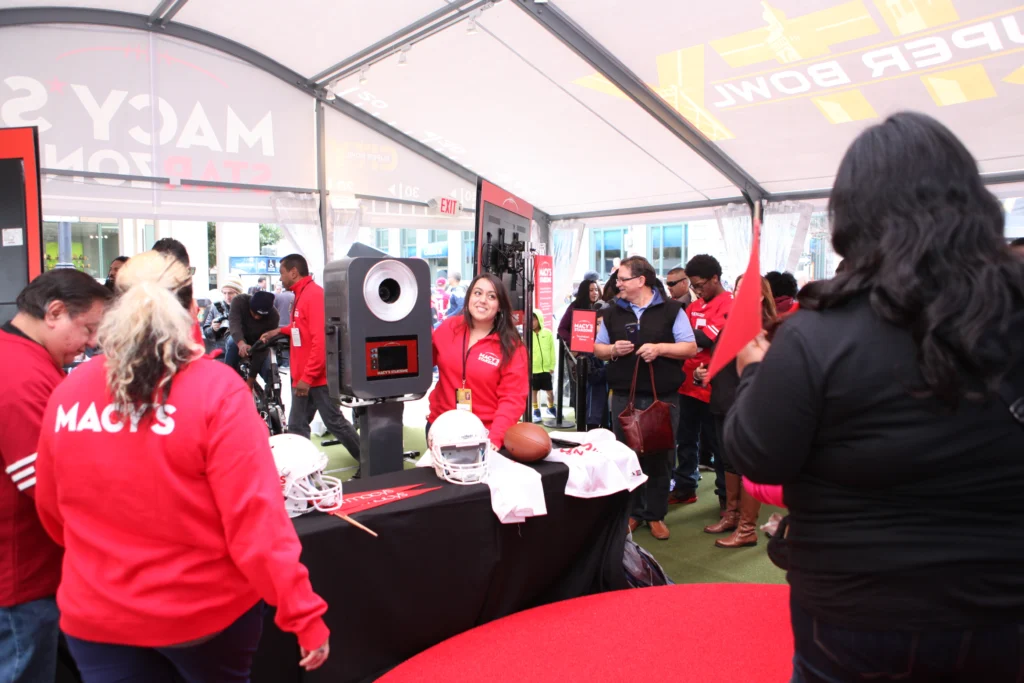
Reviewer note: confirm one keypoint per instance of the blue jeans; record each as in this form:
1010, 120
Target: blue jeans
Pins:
28, 641
225, 658
696, 429
826, 653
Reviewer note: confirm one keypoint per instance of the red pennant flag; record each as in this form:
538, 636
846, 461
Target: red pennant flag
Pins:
365, 500
744, 322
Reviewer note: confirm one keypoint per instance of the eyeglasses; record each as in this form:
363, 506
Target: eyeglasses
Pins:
626, 279
697, 286
191, 271
673, 283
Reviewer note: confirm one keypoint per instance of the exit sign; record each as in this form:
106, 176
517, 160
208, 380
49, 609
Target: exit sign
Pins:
446, 206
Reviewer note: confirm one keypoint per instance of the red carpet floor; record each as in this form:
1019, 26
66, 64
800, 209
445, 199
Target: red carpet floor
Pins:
695, 632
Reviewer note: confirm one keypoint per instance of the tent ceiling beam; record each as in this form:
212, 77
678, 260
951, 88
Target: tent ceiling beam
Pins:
656, 208
158, 180
394, 41
165, 12
584, 45
369, 60
27, 16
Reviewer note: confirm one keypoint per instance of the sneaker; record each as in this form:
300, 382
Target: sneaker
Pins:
550, 413
536, 413
682, 498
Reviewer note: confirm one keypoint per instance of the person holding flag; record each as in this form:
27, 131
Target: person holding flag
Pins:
741, 508
696, 428
899, 443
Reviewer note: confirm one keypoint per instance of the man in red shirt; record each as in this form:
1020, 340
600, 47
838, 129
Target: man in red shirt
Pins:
696, 427
308, 352
58, 316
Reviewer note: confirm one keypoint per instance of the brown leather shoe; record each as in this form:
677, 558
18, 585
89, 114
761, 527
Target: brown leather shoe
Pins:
731, 517
659, 530
634, 524
746, 532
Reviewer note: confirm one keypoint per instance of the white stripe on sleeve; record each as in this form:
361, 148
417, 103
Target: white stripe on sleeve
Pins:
27, 460
23, 473
27, 484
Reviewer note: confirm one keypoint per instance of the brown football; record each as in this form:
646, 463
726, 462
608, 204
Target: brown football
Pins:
527, 442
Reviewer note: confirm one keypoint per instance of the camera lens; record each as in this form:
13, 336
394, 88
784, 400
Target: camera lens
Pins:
389, 291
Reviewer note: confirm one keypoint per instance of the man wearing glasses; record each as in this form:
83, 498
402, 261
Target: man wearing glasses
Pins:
696, 426
643, 324
678, 284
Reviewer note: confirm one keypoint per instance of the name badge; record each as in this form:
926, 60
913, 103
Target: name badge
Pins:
464, 399
296, 337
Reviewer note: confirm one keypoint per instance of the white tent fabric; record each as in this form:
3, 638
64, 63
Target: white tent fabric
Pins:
299, 217
777, 87
566, 237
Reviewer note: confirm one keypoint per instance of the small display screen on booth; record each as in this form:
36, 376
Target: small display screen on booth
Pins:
391, 357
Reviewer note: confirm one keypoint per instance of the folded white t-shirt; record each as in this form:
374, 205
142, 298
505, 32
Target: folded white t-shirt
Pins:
516, 490
599, 466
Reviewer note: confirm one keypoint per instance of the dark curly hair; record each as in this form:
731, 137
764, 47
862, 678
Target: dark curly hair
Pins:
922, 238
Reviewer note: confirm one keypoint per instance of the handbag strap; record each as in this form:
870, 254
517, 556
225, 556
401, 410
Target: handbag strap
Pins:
632, 386
650, 366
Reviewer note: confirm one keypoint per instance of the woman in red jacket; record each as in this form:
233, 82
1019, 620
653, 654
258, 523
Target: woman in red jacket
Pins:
155, 473
481, 351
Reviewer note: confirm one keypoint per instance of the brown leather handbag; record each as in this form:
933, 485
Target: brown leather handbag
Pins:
649, 430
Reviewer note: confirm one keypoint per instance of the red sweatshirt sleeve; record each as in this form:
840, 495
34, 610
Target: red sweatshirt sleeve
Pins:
19, 432
316, 362
260, 537
46, 484
513, 388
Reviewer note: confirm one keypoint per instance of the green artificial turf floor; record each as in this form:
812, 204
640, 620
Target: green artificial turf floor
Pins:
689, 556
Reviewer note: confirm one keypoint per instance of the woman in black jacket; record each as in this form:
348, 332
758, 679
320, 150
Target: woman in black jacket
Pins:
879, 410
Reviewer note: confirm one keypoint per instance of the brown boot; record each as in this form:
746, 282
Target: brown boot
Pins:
730, 518
746, 532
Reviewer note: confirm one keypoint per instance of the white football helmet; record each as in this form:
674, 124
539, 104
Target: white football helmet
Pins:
300, 465
458, 444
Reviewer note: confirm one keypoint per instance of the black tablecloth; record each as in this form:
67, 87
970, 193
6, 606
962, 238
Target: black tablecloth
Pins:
442, 564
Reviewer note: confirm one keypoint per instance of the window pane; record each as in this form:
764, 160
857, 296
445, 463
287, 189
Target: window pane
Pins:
672, 250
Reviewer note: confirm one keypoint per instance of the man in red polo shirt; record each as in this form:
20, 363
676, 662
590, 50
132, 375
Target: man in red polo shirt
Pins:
58, 317
308, 351
707, 318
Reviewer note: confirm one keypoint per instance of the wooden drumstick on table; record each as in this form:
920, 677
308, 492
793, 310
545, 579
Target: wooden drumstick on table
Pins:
358, 525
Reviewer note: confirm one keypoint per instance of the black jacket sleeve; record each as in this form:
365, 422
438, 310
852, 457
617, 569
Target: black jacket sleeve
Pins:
770, 429
702, 339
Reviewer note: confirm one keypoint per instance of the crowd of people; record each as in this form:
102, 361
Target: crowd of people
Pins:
881, 408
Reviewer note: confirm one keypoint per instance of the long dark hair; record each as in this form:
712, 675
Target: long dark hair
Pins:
922, 237
769, 314
582, 301
611, 288
503, 324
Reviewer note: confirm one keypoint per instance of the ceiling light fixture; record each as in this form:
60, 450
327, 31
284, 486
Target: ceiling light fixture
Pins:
364, 75
403, 55
329, 93
471, 29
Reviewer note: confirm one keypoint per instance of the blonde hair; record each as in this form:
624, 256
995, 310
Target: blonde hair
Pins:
147, 333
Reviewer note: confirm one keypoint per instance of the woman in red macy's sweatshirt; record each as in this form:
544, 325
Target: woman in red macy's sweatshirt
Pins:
155, 474
481, 350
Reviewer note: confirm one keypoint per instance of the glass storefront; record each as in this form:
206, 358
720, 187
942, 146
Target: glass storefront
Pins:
87, 244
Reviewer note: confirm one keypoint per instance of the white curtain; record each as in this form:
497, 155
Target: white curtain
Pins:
298, 215
566, 238
344, 221
736, 227
783, 233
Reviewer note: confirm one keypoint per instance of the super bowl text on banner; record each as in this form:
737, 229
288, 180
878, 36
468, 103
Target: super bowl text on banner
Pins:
584, 330
544, 293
